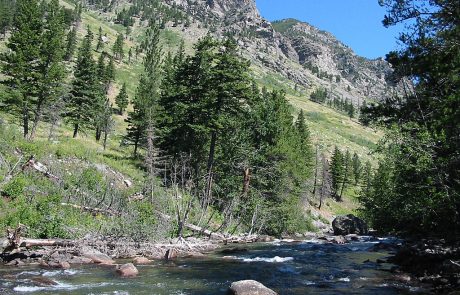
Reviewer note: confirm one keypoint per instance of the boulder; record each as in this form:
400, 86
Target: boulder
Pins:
96, 256
127, 270
249, 287
141, 260
349, 224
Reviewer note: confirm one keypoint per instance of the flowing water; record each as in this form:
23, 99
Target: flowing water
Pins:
309, 267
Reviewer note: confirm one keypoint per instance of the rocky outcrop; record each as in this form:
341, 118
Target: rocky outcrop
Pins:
127, 270
349, 224
249, 287
293, 49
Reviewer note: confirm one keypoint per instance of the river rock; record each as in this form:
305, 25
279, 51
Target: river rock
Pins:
141, 260
127, 270
96, 256
249, 287
349, 224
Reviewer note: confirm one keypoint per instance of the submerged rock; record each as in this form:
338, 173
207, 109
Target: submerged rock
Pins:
141, 260
127, 270
349, 224
249, 287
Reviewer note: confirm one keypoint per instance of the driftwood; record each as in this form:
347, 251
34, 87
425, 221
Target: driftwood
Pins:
195, 228
13, 241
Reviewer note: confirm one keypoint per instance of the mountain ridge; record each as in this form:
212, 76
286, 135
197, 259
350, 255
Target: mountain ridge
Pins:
300, 52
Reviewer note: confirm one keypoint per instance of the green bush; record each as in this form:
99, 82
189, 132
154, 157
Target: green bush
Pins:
15, 187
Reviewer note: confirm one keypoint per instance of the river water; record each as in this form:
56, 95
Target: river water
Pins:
309, 267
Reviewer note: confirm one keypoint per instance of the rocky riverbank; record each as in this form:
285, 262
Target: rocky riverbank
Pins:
431, 261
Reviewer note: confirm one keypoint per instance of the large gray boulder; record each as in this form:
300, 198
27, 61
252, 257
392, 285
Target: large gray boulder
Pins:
249, 287
349, 224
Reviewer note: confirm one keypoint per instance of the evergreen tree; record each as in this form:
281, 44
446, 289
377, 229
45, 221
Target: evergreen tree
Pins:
302, 128
117, 48
417, 187
337, 171
346, 173
85, 89
71, 42
357, 168
145, 102
122, 99
52, 71
100, 41
110, 71
20, 63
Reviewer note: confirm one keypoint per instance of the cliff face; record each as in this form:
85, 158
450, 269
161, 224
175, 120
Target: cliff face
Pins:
296, 50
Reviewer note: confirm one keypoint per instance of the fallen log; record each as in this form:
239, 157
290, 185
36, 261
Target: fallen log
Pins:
7, 246
195, 228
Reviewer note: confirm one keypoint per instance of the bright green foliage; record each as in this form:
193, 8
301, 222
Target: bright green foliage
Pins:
416, 189
117, 48
122, 99
85, 89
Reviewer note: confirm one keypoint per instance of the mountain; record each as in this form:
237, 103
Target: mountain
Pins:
297, 51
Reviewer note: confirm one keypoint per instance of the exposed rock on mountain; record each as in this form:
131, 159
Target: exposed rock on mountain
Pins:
296, 50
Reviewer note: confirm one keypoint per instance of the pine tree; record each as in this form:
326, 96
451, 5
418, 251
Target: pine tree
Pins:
302, 128
100, 41
20, 63
357, 168
337, 171
71, 42
85, 89
52, 71
110, 71
145, 103
117, 48
122, 99
346, 173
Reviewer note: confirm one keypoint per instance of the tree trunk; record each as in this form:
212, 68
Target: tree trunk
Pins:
25, 120
37, 118
136, 141
316, 172
246, 181
345, 180
105, 140
212, 149
75, 130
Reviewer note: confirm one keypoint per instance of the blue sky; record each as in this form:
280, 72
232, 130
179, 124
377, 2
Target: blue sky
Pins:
357, 23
